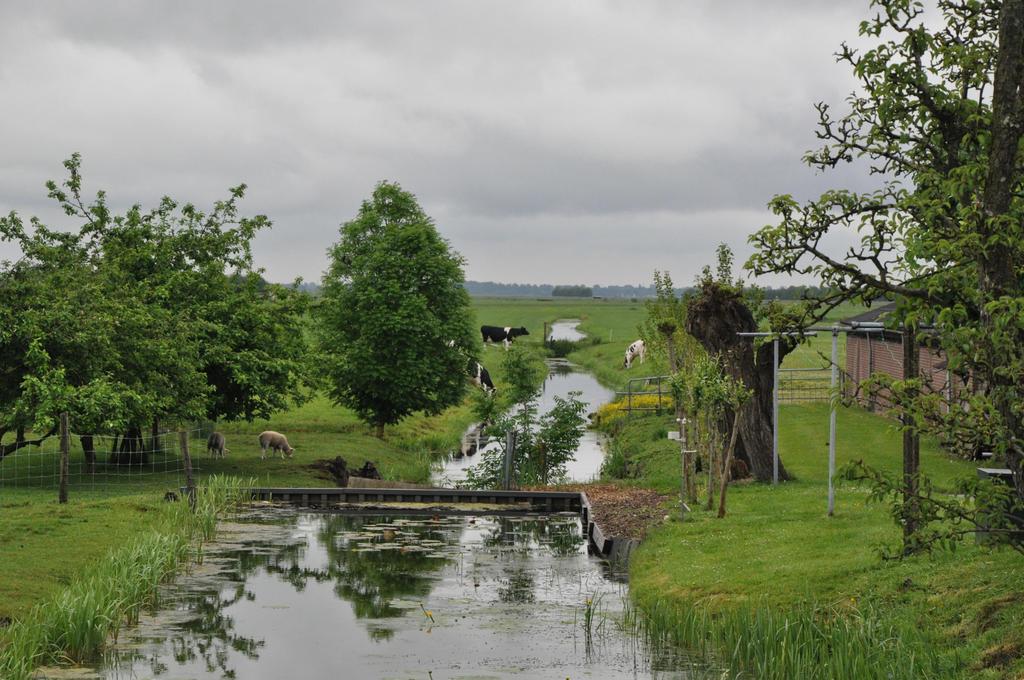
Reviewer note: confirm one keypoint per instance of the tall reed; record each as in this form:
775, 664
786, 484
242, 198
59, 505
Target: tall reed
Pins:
811, 640
75, 624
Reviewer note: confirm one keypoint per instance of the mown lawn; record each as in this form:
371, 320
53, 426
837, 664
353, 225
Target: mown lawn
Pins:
778, 548
43, 544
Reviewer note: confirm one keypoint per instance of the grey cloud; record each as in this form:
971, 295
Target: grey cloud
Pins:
536, 125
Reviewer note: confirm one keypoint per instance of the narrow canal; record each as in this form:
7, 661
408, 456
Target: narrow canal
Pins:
563, 378
294, 595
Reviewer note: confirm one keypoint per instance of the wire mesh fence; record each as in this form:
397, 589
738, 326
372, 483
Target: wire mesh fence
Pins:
649, 394
102, 461
802, 385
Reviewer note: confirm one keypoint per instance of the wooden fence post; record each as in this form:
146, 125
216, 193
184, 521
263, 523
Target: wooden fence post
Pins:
190, 485
65, 449
911, 442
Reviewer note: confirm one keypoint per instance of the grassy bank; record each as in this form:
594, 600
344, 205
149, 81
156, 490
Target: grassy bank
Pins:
74, 624
778, 584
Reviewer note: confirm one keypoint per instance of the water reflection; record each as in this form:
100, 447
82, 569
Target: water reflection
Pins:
390, 597
566, 330
562, 379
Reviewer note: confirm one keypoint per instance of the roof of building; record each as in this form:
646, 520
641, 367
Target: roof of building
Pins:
876, 314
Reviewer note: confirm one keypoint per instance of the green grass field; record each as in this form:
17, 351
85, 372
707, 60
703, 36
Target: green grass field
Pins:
778, 548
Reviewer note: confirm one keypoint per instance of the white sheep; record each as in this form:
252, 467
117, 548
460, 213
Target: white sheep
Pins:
276, 442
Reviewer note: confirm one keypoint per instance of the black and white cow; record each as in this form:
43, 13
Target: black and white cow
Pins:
637, 349
505, 335
481, 378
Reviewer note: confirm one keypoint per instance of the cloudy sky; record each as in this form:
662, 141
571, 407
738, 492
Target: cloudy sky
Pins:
587, 141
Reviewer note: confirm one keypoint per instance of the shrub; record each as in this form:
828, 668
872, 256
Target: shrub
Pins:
562, 348
612, 413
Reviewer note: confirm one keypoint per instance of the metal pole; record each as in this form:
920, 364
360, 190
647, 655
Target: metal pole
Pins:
683, 508
832, 424
775, 412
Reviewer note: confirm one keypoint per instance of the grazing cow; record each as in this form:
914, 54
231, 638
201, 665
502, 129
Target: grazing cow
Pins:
481, 378
216, 445
637, 349
505, 335
275, 441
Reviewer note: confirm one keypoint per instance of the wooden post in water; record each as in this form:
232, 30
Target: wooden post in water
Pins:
190, 485
65, 450
510, 449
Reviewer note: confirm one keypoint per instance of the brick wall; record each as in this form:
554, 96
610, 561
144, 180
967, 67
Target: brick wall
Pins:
868, 353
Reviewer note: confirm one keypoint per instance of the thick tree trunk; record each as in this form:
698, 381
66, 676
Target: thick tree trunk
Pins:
380, 431
154, 442
89, 449
997, 268
132, 450
714, 317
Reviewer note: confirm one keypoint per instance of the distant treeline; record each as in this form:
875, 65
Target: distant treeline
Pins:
493, 289
545, 290
572, 291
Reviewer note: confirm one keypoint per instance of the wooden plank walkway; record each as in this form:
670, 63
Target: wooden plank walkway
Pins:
535, 501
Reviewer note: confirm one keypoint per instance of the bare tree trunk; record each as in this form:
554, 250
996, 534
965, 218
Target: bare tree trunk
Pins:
727, 465
380, 431
89, 449
132, 450
708, 440
714, 318
154, 445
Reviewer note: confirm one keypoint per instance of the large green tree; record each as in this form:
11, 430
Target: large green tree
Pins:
938, 118
141, 317
394, 319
